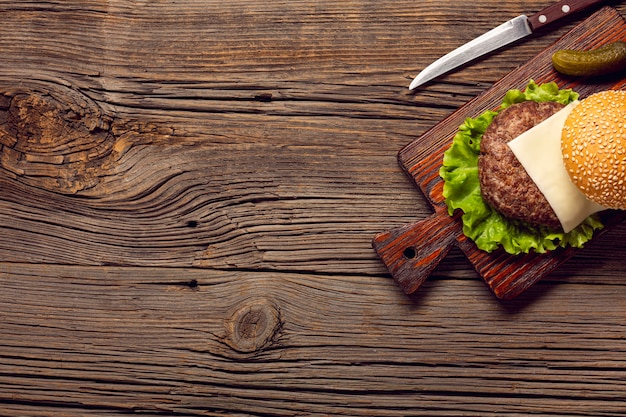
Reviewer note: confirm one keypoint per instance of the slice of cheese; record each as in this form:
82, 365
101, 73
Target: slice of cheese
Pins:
539, 151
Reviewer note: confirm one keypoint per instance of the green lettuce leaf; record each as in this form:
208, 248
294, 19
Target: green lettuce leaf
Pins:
483, 224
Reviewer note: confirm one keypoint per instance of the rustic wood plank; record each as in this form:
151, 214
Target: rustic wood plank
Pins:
188, 192
147, 340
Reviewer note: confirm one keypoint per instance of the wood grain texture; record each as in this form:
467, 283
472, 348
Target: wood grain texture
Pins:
188, 193
147, 341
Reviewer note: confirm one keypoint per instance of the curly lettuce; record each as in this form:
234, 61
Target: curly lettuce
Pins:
484, 225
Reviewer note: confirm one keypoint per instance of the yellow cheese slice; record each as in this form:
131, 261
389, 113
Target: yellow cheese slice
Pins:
539, 151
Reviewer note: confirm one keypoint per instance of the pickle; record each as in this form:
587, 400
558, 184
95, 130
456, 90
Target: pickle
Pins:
604, 60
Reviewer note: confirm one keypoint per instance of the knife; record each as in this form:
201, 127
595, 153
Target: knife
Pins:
508, 32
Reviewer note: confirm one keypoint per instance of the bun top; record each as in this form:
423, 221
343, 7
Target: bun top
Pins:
593, 144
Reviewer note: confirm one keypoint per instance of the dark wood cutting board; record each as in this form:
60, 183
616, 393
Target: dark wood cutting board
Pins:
412, 251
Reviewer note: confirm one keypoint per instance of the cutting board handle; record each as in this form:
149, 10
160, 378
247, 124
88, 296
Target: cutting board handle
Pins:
412, 251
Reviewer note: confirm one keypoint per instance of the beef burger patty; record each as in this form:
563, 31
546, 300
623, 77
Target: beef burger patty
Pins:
504, 183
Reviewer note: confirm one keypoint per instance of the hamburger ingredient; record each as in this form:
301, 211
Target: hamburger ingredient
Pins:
488, 228
539, 152
604, 60
593, 144
504, 183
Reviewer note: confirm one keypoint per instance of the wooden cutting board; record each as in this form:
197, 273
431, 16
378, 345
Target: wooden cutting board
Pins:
412, 251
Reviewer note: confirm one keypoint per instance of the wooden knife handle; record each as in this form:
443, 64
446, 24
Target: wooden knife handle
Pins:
558, 10
412, 251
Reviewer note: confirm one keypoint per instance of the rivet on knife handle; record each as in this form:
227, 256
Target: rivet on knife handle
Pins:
559, 10
411, 252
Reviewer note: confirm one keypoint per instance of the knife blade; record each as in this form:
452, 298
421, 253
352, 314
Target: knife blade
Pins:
504, 34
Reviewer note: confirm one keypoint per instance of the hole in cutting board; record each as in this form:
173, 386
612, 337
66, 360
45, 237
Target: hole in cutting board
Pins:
410, 253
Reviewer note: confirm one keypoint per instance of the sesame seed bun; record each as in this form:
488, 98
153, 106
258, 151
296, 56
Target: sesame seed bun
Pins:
593, 144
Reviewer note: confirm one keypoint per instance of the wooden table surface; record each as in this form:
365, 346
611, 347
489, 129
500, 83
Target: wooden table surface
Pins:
188, 194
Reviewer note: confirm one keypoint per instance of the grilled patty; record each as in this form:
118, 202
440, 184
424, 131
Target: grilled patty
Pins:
504, 183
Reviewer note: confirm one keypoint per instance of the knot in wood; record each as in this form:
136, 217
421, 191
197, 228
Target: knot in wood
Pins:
253, 326
55, 140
